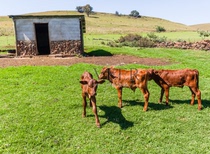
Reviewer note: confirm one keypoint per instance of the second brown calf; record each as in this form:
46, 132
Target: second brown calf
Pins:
134, 78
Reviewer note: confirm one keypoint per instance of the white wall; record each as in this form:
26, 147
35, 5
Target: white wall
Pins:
63, 29
59, 28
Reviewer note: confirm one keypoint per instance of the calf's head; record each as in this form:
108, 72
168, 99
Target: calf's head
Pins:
106, 73
90, 87
152, 74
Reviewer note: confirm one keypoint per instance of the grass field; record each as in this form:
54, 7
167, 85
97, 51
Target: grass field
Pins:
41, 111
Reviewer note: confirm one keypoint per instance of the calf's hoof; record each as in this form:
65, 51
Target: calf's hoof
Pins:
145, 109
98, 125
191, 103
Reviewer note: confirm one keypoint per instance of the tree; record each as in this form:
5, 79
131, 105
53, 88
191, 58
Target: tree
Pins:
117, 13
87, 9
134, 13
80, 9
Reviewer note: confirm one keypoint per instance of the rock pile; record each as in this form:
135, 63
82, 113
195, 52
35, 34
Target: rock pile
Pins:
200, 45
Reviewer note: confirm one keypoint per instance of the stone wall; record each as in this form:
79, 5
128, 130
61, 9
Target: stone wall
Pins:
73, 47
65, 48
200, 45
26, 48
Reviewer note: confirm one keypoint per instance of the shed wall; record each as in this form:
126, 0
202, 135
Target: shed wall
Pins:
64, 36
59, 29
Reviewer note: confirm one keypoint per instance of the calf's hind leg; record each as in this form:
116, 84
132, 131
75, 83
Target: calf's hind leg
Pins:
161, 95
193, 97
197, 92
146, 98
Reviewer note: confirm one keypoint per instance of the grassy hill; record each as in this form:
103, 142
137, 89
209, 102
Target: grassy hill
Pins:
103, 23
205, 27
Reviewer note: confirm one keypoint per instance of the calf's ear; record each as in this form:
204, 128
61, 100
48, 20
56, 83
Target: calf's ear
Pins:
151, 70
100, 81
83, 82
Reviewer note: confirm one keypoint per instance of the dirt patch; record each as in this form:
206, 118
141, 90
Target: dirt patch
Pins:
97, 60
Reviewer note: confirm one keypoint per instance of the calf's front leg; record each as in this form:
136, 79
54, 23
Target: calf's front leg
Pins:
167, 95
84, 103
119, 92
93, 101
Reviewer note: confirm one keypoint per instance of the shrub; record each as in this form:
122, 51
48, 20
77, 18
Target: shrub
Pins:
155, 38
112, 44
204, 33
129, 38
132, 40
152, 36
160, 29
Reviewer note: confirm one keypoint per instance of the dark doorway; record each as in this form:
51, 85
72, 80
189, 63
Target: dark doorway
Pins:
42, 38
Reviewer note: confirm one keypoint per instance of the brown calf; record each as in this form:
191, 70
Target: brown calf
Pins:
177, 78
89, 88
134, 78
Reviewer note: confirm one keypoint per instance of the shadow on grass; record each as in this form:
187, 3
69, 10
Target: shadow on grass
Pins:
154, 106
99, 52
114, 114
205, 103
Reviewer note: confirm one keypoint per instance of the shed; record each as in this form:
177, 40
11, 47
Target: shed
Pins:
49, 34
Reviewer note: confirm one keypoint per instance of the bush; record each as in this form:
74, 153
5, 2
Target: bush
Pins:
112, 44
132, 40
152, 36
204, 33
129, 38
160, 29
155, 38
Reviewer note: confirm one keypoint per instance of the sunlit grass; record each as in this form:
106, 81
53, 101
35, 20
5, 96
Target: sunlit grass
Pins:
41, 111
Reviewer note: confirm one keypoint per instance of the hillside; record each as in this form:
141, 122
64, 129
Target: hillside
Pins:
110, 23
103, 23
205, 27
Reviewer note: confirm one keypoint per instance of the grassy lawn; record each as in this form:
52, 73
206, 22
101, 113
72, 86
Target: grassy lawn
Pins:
41, 110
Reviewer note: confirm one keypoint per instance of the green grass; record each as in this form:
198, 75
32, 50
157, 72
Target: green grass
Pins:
41, 110
7, 42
